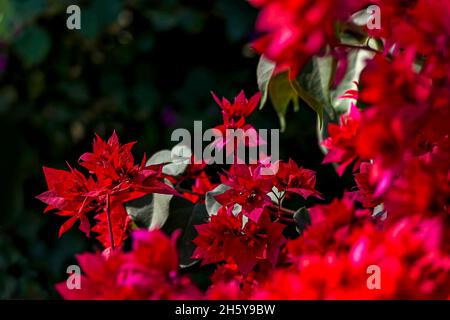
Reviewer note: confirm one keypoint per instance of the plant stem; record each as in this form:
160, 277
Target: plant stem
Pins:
354, 46
108, 215
284, 219
281, 209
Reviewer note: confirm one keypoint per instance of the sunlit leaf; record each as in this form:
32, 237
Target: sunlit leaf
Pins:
302, 219
264, 72
313, 85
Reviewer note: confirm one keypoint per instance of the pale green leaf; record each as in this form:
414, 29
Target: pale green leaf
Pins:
264, 72
281, 94
314, 82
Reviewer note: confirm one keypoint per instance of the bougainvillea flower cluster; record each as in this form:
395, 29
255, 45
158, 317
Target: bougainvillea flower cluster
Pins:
259, 234
113, 180
292, 31
224, 238
331, 260
235, 132
341, 142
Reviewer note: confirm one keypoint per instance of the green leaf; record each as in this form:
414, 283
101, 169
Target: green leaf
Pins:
356, 62
379, 211
160, 157
361, 18
302, 219
353, 32
184, 215
175, 160
275, 194
322, 131
180, 214
264, 72
32, 45
313, 85
141, 210
281, 94
150, 211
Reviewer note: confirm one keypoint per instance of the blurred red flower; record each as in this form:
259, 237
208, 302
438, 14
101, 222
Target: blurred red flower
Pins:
148, 271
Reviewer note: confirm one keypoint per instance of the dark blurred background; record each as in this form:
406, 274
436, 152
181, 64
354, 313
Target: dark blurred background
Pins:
140, 67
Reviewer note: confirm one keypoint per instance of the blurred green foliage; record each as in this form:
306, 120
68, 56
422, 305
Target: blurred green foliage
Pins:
140, 67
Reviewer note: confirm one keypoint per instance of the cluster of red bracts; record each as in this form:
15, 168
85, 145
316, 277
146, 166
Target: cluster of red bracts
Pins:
329, 261
293, 31
399, 143
113, 180
332, 258
255, 234
254, 259
395, 137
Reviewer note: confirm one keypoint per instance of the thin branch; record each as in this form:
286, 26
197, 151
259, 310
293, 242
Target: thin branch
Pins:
108, 215
354, 46
281, 209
